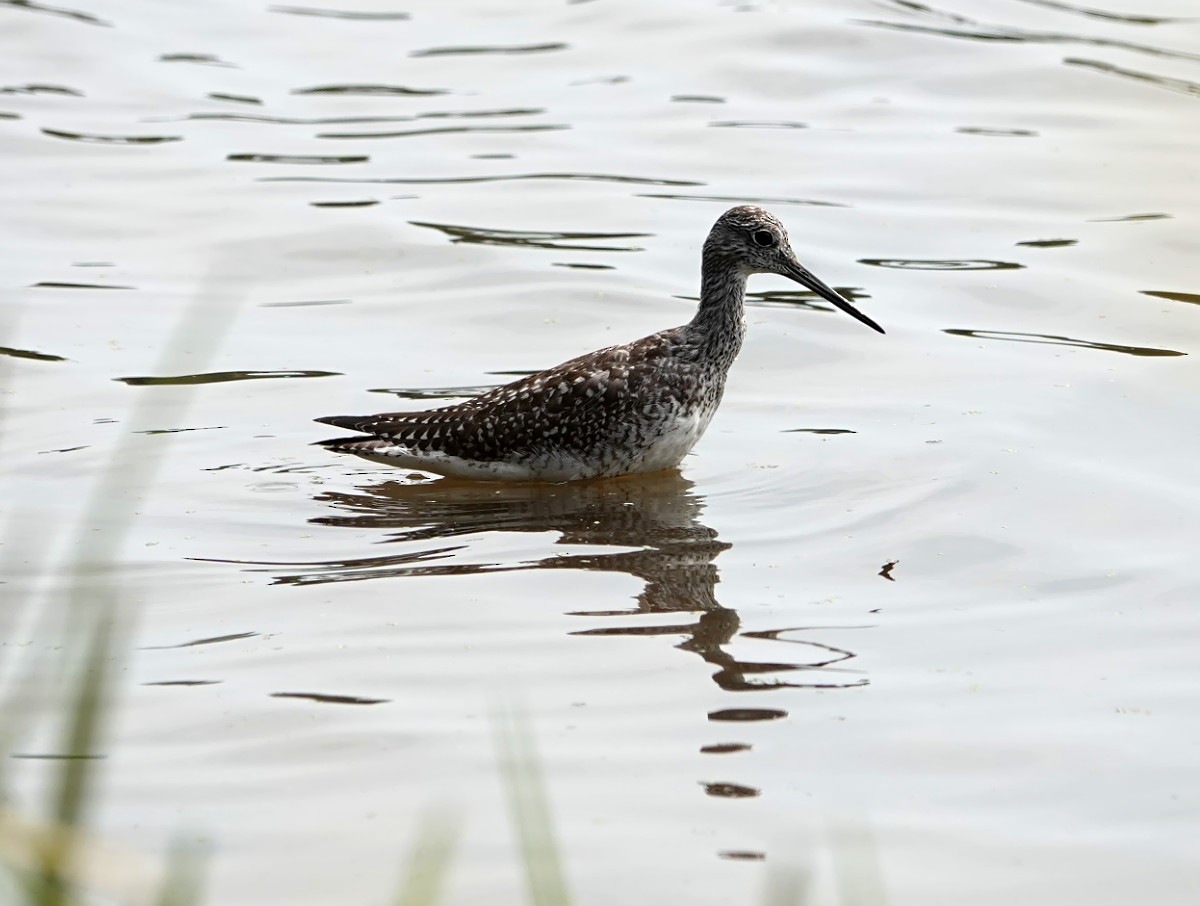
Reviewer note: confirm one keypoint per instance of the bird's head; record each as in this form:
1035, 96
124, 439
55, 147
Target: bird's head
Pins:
754, 241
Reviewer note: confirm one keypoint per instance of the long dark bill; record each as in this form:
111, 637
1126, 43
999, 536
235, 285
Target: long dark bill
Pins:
798, 273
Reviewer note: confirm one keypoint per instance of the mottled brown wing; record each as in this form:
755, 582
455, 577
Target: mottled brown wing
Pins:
574, 406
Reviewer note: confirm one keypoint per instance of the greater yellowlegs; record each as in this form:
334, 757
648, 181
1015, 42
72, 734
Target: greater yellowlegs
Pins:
626, 409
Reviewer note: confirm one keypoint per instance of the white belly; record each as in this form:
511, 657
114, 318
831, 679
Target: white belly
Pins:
665, 451
668, 450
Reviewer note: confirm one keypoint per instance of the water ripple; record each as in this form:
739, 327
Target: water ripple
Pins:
155, 432
982, 130
794, 298
725, 748
339, 13
42, 89
15, 353
756, 124
488, 49
1124, 18
331, 699
234, 98
746, 714
513, 177
1193, 298
304, 303
112, 139
935, 264
1056, 340
741, 855
222, 116
56, 284
434, 393
977, 31
745, 199
78, 16
354, 203
371, 90
446, 130
731, 790
209, 640
532, 239
1048, 243
300, 158
203, 59
830, 431
1132, 218
1181, 85
218, 377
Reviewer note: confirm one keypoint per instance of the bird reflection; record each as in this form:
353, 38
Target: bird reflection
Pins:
653, 521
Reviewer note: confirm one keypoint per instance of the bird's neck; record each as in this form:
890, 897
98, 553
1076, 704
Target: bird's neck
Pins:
720, 320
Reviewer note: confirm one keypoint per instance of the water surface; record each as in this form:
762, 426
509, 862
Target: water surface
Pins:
940, 582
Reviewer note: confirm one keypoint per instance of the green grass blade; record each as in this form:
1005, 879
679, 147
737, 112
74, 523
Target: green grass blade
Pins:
787, 886
523, 780
856, 863
183, 880
429, 862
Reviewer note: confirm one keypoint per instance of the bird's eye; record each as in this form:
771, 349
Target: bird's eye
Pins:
764, 238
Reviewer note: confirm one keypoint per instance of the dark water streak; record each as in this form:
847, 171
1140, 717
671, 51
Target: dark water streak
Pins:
1181, 85
202, 59
371, 90
15, 353
945, 264
1056, 340
1193, 298
326, 698
976, 31
1105, 15
446, 130
218, 377
60, 284
299, 158
42, 89
222, 116
112, 139
351, 15
211, 640
466, 180
486, 49
76, 15
548, 239
745, 199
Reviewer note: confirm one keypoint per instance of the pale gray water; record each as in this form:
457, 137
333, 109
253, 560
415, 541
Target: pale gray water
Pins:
1008, 186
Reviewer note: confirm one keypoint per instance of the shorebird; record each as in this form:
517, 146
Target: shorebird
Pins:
639, 407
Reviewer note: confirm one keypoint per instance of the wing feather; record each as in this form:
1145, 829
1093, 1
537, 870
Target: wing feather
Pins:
573, 406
